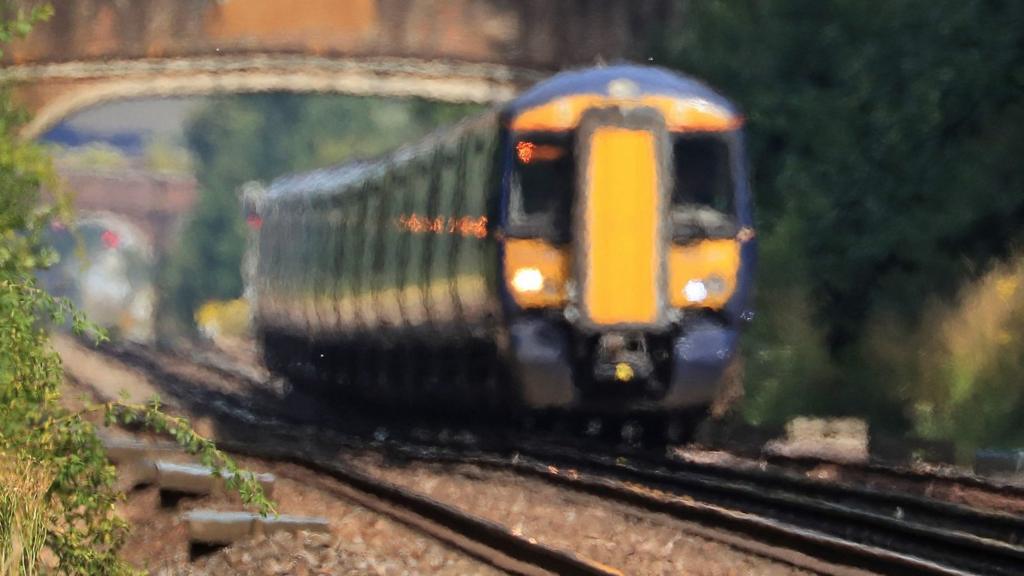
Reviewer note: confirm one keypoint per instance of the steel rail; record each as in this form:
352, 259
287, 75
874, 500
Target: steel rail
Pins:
478, 537
887, 543
880, 531
929, 477
989, 525
515, 554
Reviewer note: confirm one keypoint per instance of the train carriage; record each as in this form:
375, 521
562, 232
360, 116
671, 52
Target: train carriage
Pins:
587, 246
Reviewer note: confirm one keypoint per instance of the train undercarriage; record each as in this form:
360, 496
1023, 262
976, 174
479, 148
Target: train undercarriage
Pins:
538, 373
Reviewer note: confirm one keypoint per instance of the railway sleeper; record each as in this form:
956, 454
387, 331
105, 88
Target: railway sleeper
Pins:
128, 450
175, 479
209, 530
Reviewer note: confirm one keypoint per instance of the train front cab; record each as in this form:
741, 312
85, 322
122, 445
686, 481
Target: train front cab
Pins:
628, 251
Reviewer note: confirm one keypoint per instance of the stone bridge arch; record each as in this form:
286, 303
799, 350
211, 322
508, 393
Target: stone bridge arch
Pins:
94, 51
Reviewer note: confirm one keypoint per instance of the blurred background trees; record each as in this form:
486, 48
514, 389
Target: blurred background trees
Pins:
886, 145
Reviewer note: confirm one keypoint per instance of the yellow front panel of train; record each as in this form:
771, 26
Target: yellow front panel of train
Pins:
622, 228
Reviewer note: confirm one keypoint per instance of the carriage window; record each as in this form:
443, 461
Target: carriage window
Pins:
702, 198
542, 185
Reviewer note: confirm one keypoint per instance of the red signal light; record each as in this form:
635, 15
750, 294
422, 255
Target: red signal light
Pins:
254, 221
110, 239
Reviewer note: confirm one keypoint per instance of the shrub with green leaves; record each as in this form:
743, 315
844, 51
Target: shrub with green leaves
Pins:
961, 368
65, 498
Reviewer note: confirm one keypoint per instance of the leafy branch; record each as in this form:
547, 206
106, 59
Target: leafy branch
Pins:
70, 498
151, 417
22, 21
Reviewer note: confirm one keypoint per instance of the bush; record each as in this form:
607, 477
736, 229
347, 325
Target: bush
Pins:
64, 497
960, 369
83, 531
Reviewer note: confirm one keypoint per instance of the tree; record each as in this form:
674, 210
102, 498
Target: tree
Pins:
885, 141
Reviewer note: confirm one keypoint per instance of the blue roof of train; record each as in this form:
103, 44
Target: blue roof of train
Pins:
648, 79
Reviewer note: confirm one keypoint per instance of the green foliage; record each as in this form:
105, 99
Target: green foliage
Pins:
152, 418
93, 156
258, 137
963, 364
16, 21
167, 156
66, 498
887, 139
787, 365
84, 533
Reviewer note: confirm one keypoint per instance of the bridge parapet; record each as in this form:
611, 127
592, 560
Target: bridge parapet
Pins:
537, 34
458, 50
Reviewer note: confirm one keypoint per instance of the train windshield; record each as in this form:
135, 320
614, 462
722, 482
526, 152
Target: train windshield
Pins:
541, 186
703, 195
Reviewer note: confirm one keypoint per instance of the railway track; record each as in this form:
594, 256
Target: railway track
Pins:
487, 541
933, 487
491, 542
937, 481
879, 531
855, 527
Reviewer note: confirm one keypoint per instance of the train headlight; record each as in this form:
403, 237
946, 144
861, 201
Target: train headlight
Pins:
528, 280
536, 273
695, 291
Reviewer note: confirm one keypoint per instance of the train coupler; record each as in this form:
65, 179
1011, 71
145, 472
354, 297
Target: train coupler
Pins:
622, 358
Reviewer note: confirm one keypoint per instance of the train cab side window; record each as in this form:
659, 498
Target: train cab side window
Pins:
542, 185
703, 193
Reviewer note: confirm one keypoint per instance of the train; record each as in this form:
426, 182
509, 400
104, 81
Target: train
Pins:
587, 247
